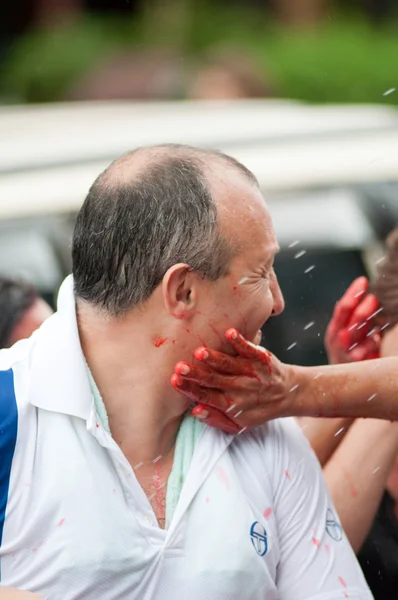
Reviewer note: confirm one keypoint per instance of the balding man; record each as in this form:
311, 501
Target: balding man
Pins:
108, 487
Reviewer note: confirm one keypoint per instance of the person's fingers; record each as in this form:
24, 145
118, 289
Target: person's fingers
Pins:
364, 312
215, 418
367, 350
205, 377
228, 365
201, 395
346, 305
246, 349
361, 322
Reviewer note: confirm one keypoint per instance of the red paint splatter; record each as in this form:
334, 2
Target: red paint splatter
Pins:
97, 425
346, 595
235, 288
353, 489
316, 542
62, 521
159, 341
216, 332
207, 500
38, 546
327, 547
201, 340
188, 330
223, 477
287, 474
343, 583
268, 512
174, 341
27, 484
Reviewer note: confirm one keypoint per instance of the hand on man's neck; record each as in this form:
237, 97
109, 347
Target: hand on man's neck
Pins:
131, 360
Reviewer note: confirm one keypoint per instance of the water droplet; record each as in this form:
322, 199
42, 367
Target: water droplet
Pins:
311, 268
310, 324
291, 346
299, 254
388, 92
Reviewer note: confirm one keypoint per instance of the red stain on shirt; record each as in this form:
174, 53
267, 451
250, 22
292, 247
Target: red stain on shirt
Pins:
268, 512
223, 477
159, 341
316, 542
343, 583
62, 521
207, 500
287, 474
38, 546
327, 547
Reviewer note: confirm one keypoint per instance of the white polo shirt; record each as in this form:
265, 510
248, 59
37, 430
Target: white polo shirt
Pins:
254, 520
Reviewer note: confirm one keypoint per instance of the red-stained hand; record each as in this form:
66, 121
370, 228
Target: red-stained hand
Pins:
352, 334
235, 392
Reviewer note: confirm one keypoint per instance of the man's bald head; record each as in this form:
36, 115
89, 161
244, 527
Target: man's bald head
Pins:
150, 209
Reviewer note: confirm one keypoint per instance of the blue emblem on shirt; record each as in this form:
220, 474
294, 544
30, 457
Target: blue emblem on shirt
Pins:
333, 527
258, 537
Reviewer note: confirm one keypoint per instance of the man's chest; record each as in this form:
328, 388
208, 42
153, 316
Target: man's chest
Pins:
80, 520
153, 479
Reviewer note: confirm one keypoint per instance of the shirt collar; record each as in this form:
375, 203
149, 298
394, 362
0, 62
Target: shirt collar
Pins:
58, 375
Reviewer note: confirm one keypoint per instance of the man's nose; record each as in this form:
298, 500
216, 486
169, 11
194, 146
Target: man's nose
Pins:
279, 301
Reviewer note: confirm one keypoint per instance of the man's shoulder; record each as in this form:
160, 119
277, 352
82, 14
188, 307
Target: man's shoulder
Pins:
272, 434
278, 441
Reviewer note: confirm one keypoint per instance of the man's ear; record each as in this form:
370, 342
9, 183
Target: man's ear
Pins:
180, 290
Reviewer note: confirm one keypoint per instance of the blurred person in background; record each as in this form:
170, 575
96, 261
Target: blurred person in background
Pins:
222, 74
22, 310
139, 75
228, 74
362, 472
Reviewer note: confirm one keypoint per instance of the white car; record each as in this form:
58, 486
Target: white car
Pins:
329, 173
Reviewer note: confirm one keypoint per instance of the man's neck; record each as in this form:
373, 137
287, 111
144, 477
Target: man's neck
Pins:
133, 376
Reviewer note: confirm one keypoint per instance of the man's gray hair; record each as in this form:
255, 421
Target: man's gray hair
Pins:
131, 230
